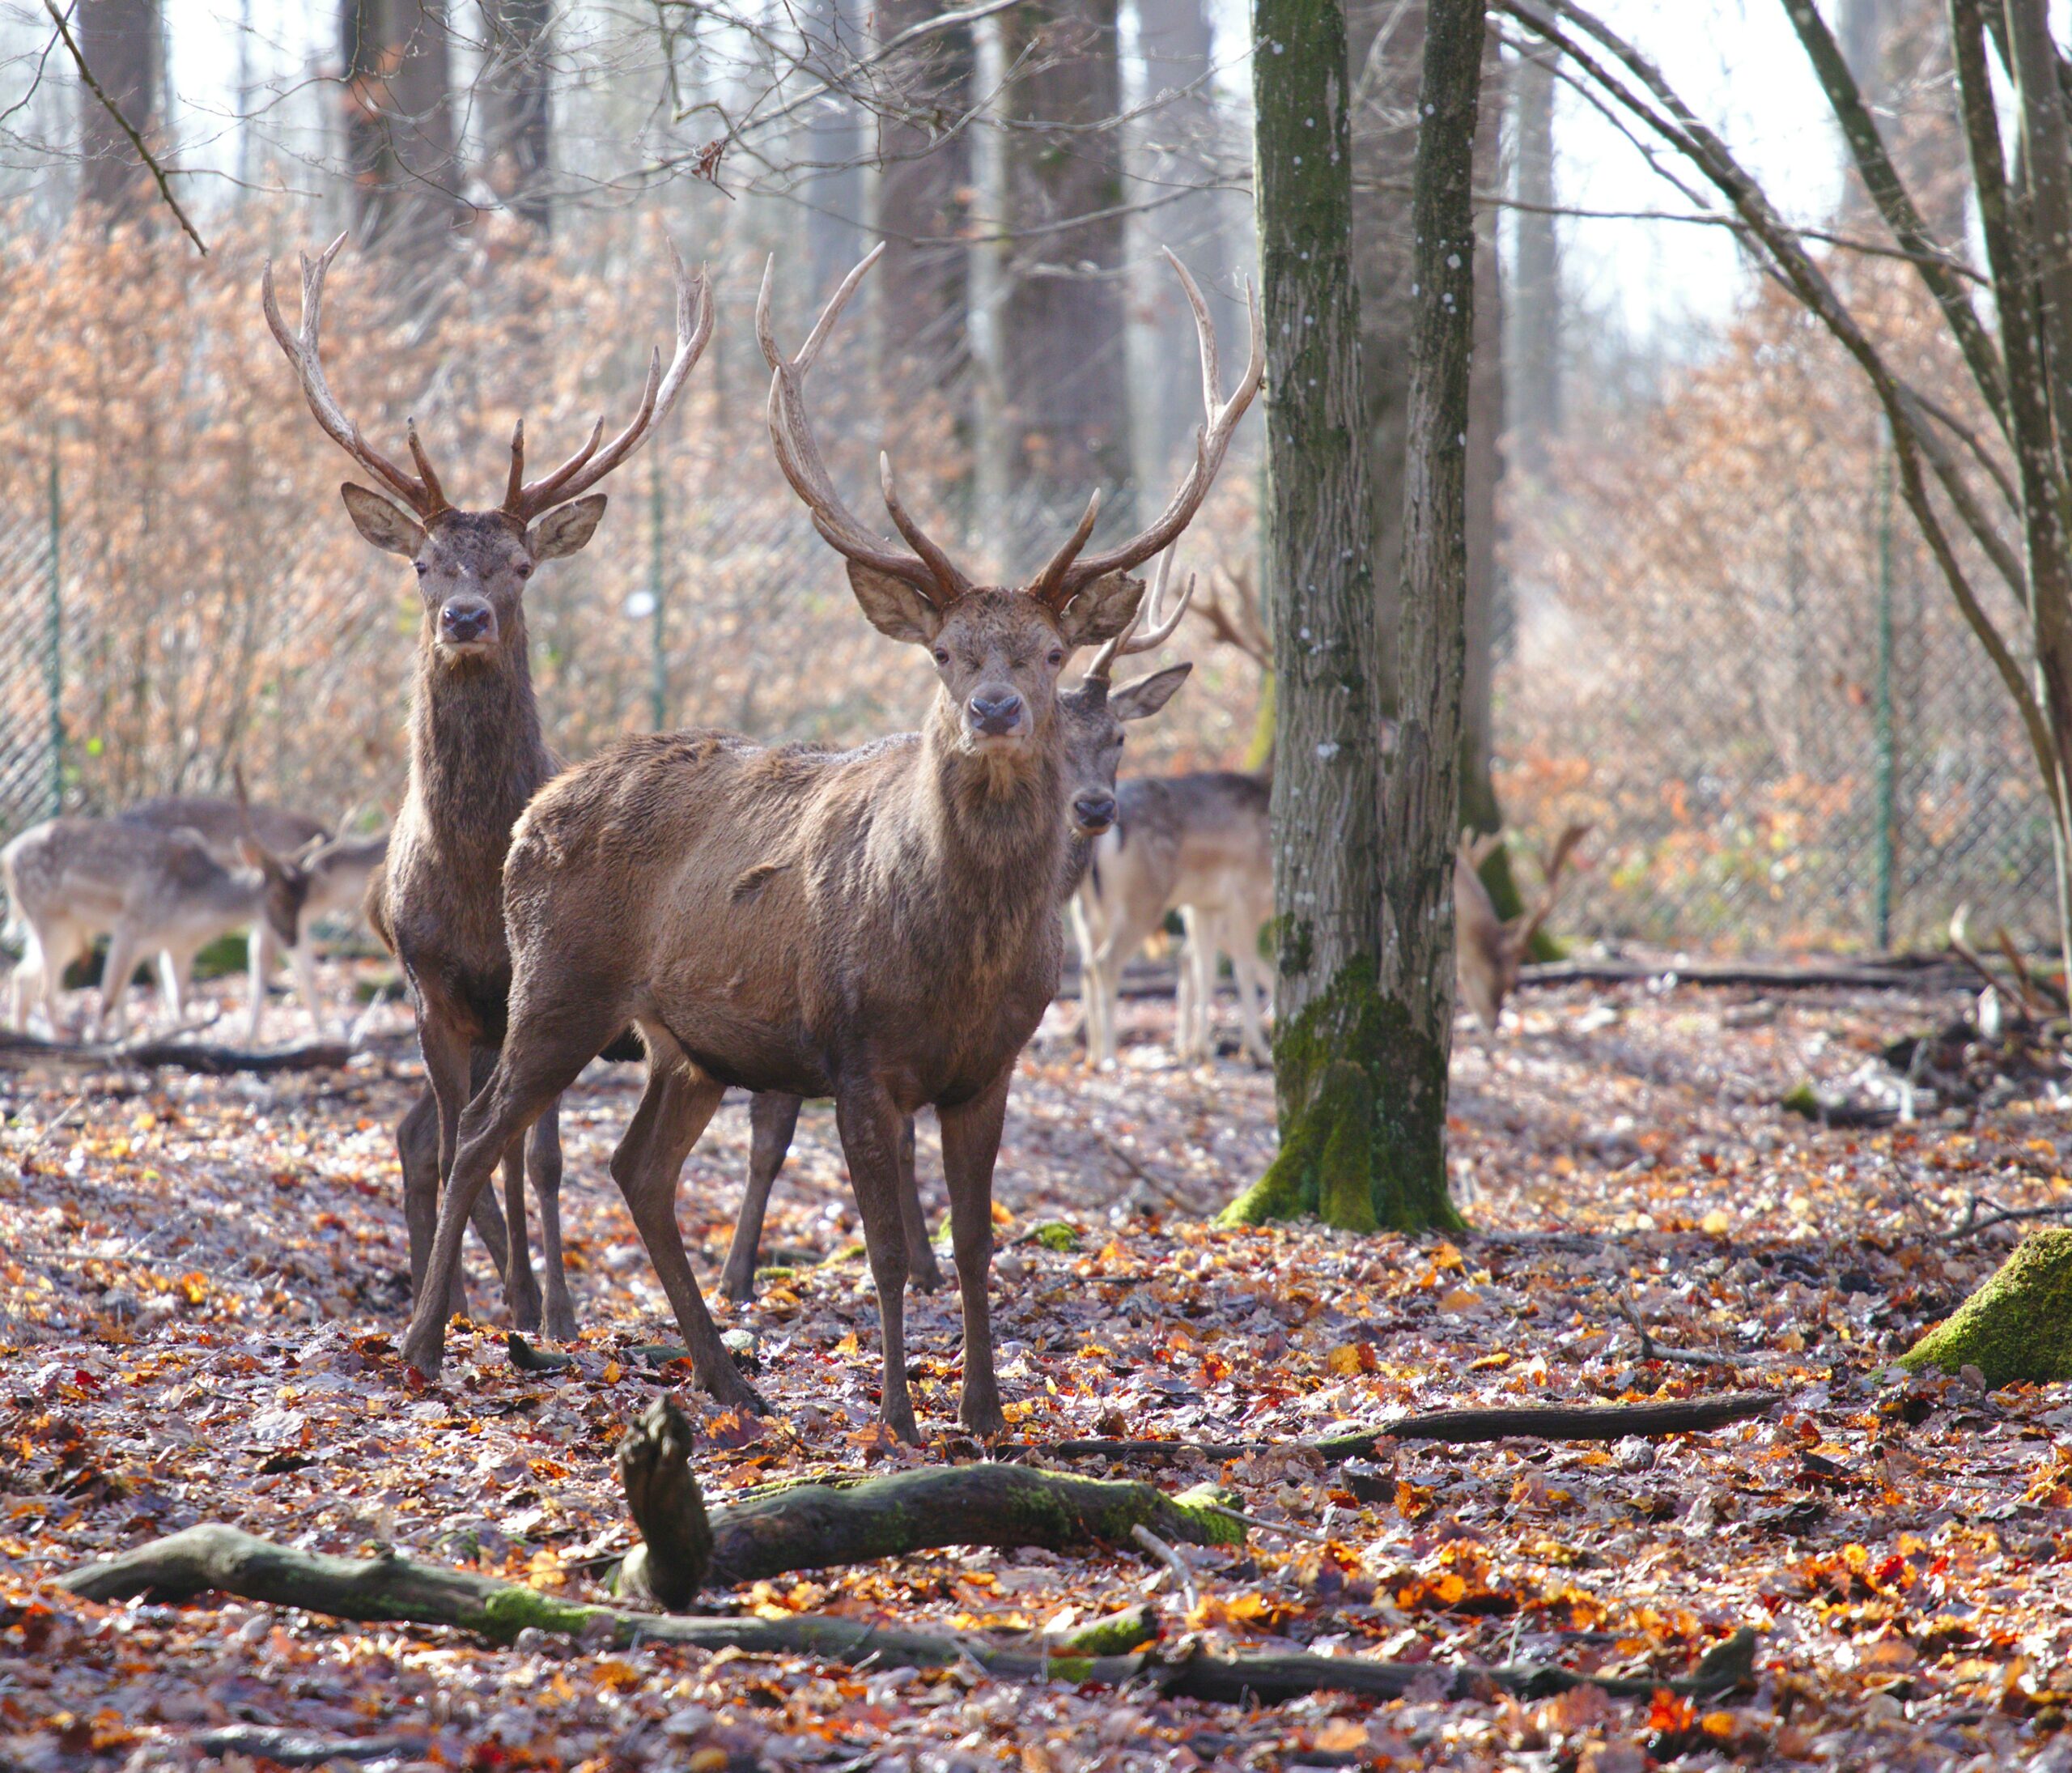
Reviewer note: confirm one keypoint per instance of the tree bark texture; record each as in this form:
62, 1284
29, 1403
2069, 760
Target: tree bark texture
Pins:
517, 122
924, 204
1420, 816
1328, 1046
399, 124
1064, 368
122, 42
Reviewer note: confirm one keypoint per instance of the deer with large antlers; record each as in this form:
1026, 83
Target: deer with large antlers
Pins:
1092, 713
476, 758
878, 925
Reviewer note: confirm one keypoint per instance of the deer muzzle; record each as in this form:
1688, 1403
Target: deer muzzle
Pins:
997, 713
466, 621
1092, 814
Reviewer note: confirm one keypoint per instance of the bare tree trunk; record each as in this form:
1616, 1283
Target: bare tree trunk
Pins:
399, 124
923, 198
123, 45
833, 189
1062, 339
1532, 370
1336, 1040
516, 119
1420, 809
1486, 392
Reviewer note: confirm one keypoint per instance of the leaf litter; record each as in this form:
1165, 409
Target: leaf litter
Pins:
202, 1286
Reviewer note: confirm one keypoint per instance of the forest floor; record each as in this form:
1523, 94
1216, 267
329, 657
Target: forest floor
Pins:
201, 1287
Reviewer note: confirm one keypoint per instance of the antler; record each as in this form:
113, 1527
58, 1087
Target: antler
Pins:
1130, 640
1525, 928
525, 499
421, 491
1068, 574
928, 569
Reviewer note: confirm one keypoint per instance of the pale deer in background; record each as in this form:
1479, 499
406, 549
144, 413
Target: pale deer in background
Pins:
338, 866
1093, 713
476, 757
148, 891
1491, 950
878, 925
1199, 842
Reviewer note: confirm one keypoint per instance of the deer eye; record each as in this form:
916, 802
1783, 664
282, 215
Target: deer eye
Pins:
422, 569
942, 655
1057, 655
524, 569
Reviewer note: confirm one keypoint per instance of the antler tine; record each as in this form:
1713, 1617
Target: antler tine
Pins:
589, 464
303, 349
1049, 583
1151, 638
513, 488
927, 569
1219, 419
434, 492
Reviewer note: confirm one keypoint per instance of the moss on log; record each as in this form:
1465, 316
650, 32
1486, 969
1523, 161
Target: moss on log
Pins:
2018, 1326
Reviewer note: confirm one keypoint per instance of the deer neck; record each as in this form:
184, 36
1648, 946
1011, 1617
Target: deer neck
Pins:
475, 754
993, 823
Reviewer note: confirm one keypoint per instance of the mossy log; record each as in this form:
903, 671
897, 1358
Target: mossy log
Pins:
2016, 1327
398, 1591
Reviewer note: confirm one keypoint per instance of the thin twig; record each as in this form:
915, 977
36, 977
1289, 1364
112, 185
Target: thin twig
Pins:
1653, 1350
1287, 1529
129, 128
1172, 1560
1972, 1224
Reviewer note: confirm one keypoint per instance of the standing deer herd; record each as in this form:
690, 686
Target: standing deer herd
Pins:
881, 926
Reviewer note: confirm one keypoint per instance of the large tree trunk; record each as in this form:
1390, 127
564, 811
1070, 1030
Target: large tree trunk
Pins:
1532, 372
1421, 814
122, 44
516, 122
399, 124
1329, 1043
1066, 379
923, 199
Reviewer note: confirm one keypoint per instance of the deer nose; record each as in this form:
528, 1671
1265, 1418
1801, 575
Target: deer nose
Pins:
1093, 813
996, 714
464, 622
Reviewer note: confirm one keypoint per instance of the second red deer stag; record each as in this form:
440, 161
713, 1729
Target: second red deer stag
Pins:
878, 925
476, 757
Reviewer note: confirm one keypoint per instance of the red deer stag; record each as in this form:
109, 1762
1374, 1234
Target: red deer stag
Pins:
476, 758
878, 925
1092, 714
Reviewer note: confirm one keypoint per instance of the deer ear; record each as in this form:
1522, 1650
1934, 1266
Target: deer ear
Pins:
387, 526
1140, 700
895, 608
567, 527
1102, 610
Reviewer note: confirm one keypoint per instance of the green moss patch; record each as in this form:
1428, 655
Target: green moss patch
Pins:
2015, 1328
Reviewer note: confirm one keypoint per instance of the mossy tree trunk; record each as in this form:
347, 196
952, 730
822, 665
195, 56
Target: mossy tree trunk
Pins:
1347, 1058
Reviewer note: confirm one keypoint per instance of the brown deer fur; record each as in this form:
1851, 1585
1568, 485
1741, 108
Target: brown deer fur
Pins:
1489, 951
878, 925
476, 757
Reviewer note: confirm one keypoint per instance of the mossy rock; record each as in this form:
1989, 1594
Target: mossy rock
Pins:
2016, 1327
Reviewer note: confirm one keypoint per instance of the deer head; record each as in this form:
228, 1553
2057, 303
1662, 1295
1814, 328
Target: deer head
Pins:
998, 650
287, 883
472, 566
1095, 710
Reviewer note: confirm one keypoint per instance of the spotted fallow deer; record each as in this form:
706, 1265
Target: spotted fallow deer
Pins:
476, 757
1490, 951
878, 925
1092, 712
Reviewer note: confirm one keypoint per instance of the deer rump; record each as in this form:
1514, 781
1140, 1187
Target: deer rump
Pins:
798, 912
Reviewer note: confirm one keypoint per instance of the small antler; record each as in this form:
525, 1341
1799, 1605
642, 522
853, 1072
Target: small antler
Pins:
928, 568
421, 492
1149, 638
525, 499
1523, 929
1238, 623
1068, 574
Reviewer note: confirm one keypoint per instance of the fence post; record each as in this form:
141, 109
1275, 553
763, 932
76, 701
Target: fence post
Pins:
54, 641
1884, 778
658, 690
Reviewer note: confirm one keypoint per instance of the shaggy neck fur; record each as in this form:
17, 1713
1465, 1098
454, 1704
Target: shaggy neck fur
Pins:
475, 754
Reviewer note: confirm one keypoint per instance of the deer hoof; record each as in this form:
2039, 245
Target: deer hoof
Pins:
561, 1321
925, 1277
982, 1416
740, 1288
731, 1389
901, 1421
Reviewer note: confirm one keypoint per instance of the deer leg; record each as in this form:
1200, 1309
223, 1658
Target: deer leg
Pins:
521, 1287
773, 1118
1245, 968
970, 1146
923, 1273
673, 1110
543, 1165
417, 1148
455, 1068
304, 969
258, 962
1089, 999
870, 1141
519, 1091
115, 983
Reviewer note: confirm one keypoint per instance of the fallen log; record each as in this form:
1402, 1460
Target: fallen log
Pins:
19, 1051
392, 1590
1928, 973
1462, 1428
